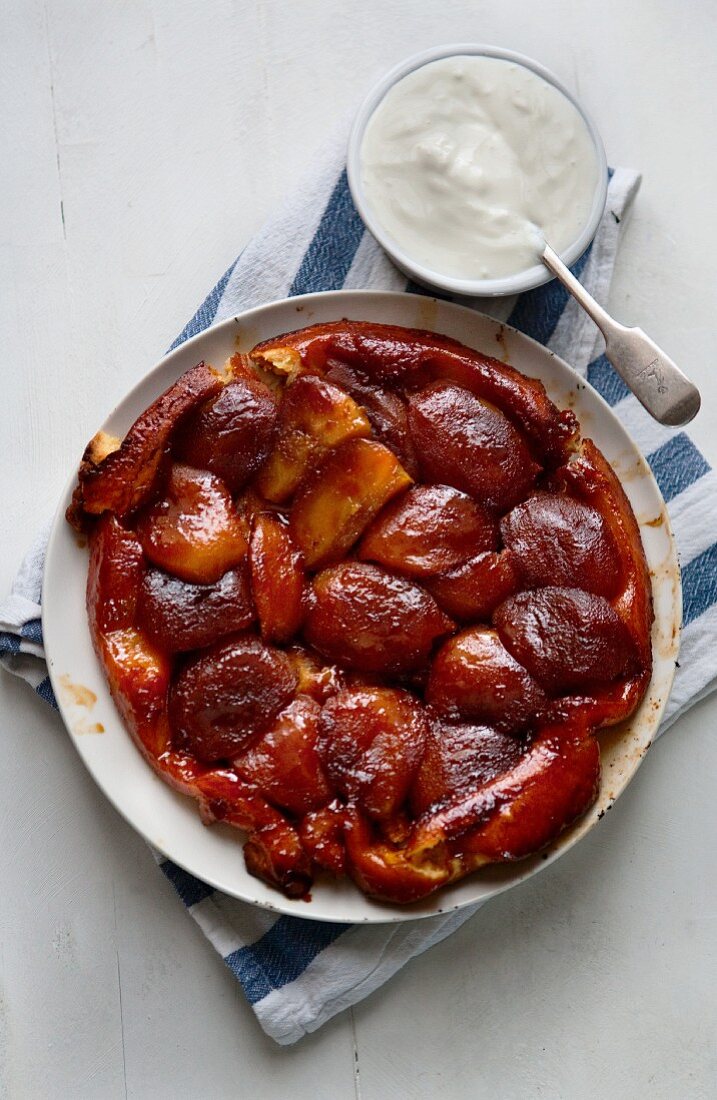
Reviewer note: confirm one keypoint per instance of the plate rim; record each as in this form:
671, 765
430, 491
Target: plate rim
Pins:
391, 913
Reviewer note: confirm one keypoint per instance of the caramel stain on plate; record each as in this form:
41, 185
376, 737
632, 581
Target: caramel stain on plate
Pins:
656, 522
84, 726
78, 694
629, 467
500, 340
427, 312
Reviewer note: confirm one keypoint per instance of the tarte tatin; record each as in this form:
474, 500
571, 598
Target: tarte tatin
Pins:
367, 595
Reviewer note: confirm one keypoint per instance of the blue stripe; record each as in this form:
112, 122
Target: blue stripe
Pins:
537, 312
207, 311
190, 889
9, 643
676, 465
32, 631
605, 379
44, 690
328, 258
699, 586
281, 955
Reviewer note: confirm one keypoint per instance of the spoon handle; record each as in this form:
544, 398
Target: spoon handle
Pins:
656, 381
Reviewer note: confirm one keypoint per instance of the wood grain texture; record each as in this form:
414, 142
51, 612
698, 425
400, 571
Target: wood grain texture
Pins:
144, 142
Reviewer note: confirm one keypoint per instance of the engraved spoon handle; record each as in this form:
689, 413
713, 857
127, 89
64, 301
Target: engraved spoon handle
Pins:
656, 381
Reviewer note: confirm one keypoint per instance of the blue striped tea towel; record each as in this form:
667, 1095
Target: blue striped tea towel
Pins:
298, 973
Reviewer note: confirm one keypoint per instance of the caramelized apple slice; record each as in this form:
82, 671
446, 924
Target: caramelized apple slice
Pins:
124, 479
276, 855
428, 530
568, 639
370, 620
386, 411
521, 810
179, 616
227, 696
461, 758
464, 442
273, 852
194, 532
592, 477
558, 540
322, 835
371, 741
114, 577
232, 433
382, 870
314, 417
335, 506
285, 763
137, 673
277, 578
474, 589
475, 678
138, 677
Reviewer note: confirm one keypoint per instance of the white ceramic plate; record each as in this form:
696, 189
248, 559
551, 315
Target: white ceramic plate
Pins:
170, 821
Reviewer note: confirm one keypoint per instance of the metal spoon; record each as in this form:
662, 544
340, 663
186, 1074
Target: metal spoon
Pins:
656, 381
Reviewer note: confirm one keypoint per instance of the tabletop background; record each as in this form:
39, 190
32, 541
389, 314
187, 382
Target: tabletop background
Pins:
144, 141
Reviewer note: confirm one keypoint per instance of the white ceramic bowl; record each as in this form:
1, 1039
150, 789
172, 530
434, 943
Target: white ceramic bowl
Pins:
169, 820
484, 288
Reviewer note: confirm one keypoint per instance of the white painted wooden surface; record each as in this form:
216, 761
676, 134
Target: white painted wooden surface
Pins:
143, 142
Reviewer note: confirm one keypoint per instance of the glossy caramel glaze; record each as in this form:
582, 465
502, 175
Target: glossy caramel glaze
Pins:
367, 596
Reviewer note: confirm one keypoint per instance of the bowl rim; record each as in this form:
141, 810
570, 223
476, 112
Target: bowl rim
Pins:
485, 288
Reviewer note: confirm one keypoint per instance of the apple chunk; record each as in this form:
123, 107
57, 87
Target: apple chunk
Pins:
371, 741
386, 411
194, 532
115, 576
138, 676
475, 678
314, 417
225, 697
558, 540
336, 505
372, 621
285, 763
232, 433
179, 616
277, 578
568, 639
428, 530
465, 442
475, 588
460, 758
